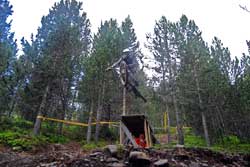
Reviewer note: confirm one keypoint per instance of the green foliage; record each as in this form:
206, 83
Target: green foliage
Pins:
50, 130
54, 59
54, 138
17, 140
231, 144
239, 148
93, 145
194, 141
15, 124
110, 134
230, 140
16, 133
8, 49
23, 124
23, 140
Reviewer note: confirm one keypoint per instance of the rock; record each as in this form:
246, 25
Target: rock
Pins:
126, 163
161, 163
111, 160
111, 149
226, 160
52, 164
17, 148
95, 154
86, 160
137, 154
181, 157
194, 164
182, 164
179, 146
137, 158
96, 150
116, 165
204, 165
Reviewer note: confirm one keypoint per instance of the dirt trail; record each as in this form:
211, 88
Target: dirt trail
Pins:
72, 155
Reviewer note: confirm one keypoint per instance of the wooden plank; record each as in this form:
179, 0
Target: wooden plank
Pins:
121, 134
149, 136
126, 141
128, 134
146, 132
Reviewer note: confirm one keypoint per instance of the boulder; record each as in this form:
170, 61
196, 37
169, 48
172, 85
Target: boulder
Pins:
161, 163
117, 165
137, 158
111, 149
111, 160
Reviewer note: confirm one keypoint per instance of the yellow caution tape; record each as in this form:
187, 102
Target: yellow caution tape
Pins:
74, 123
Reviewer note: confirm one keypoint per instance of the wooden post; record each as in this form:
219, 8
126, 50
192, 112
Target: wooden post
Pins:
121, 133
124, 71
149, 136
124, 101
146, 132
165, 121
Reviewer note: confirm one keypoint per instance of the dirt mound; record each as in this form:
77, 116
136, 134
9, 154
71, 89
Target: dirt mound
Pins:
72, 155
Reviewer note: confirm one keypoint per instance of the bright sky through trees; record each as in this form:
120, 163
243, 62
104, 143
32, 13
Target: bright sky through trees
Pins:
224, 18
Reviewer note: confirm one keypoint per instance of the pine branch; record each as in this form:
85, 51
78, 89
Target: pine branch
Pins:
244, 8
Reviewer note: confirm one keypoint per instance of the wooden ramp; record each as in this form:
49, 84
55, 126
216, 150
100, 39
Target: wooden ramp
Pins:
134, 125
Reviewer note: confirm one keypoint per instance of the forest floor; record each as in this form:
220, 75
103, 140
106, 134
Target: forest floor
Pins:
19, 148
72, 154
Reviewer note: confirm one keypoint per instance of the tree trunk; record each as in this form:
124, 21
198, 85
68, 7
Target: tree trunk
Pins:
204, 123
165, 101
37, 126
180, 136
99, 111
203, 117
60, 127
90, 121
13, 106
172, 75
168, 125
70, 114
14, 100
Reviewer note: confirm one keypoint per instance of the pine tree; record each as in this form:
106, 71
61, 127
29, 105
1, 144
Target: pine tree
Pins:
193, 55
162, 47
8, 50
62, 42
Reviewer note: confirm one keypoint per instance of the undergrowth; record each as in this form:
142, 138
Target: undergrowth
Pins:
228, 144
17, 134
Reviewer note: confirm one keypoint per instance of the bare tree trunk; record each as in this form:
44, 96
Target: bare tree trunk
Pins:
70, 114
60, 127
99, 111
172, 75
90, 121
37, 126
14, 100
180, 135
203, 117
13, 106
165, 101
64, 96
168, 125
204, 123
